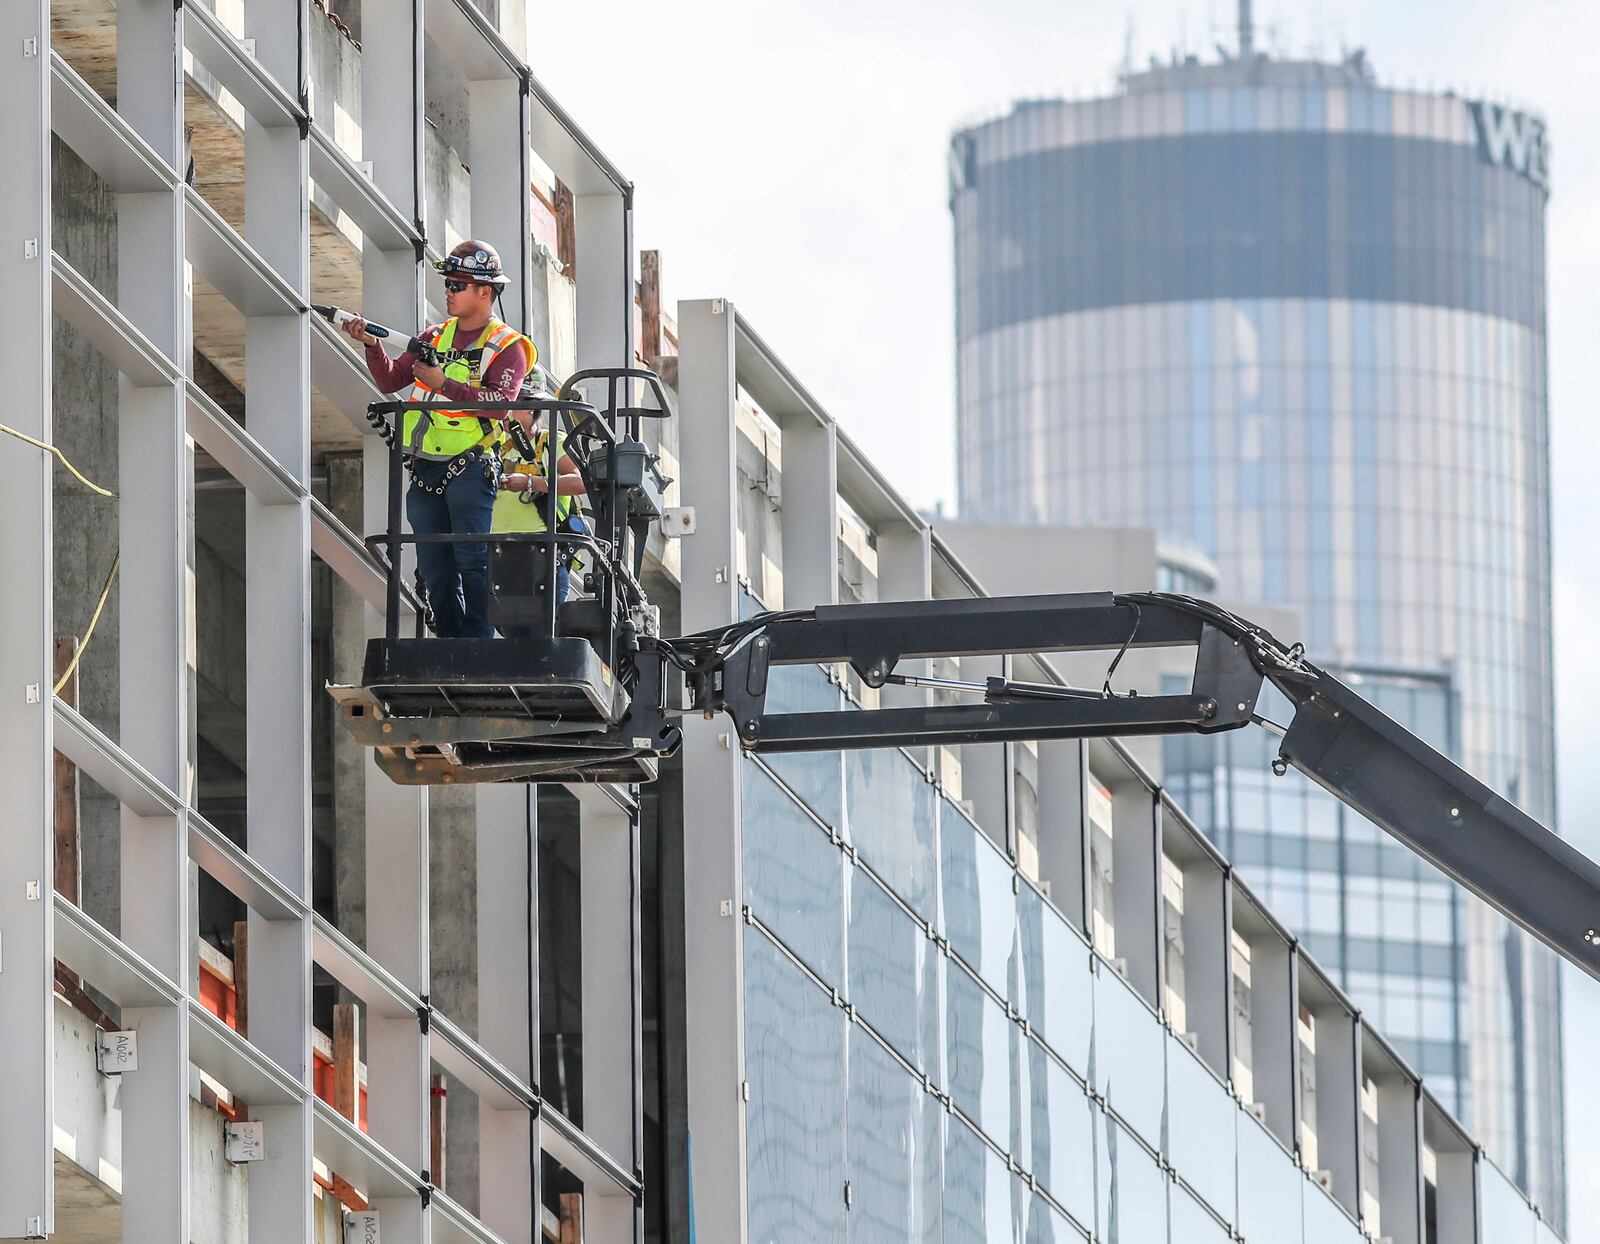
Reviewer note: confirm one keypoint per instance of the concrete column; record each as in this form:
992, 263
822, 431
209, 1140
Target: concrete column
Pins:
712, 882
26, 853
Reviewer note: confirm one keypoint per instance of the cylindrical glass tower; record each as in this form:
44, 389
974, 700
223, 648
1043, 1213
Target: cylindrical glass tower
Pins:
1297, 320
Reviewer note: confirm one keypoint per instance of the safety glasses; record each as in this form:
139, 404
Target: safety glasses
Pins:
459, 287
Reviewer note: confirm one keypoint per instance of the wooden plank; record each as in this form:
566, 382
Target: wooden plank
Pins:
650, 307
70, 987
566, 232
346, 1066
241, 977
68, 843
436, 1123
344, 1191
572, 1218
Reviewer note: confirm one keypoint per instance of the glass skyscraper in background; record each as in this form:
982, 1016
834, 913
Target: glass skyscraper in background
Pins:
1296, 320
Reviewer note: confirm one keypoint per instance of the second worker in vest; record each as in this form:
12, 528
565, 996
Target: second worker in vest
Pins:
524, 503
455, 471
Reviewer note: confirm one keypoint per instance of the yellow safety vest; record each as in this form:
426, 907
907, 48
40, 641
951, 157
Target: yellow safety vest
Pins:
442, 434
524, 511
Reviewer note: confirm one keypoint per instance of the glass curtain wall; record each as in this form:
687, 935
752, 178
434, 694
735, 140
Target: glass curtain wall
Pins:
934, 1052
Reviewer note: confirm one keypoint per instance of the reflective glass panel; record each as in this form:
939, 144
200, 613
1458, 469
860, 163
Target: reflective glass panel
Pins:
977, 1054
1128, 1055
891, 823
1199, 229
1132, 1190
1190, 1224
979, 905
896, 1149
795, 1059
1269, 1186
813, 775
1325, 1222
793, 875
1061, 1135
1041, 1224
977, 1189
1056, 985
894, 973
1200, 1128
1507, 1218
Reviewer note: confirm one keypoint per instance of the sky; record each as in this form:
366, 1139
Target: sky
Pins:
791, 158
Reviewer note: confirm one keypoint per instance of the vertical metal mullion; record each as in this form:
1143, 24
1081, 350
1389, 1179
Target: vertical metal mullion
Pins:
278, 629
26, 854
396, 818
713, 941
636, 997
629, 346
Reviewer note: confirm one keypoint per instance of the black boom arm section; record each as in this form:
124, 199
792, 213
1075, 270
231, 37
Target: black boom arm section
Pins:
1336, 738
873, 639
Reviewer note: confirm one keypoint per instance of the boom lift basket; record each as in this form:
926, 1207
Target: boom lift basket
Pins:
561, 705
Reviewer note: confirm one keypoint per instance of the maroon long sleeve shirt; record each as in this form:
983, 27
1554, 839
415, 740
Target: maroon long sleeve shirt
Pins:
502, 379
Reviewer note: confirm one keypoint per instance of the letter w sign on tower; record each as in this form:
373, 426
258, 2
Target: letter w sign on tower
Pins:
1513, 139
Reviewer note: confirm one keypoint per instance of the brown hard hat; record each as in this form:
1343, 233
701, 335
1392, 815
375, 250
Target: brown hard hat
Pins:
474, 261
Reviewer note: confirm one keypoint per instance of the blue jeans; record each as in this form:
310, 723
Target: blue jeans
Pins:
457, 575
528, 632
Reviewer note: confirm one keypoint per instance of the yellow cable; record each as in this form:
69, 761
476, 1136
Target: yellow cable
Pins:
100, 605
61, 458
111, 575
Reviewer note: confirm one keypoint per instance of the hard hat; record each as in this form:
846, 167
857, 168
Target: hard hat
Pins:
474, 261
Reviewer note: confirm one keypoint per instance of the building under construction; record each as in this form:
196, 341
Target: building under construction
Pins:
255, 990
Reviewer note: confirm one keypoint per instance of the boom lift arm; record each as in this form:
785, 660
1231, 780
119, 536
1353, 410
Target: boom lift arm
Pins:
1336, 738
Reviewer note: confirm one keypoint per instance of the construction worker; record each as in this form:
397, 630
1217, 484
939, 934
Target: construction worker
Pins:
452, 455
524, 498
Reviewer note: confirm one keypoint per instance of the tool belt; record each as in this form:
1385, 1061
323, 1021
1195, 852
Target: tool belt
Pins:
457, 466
